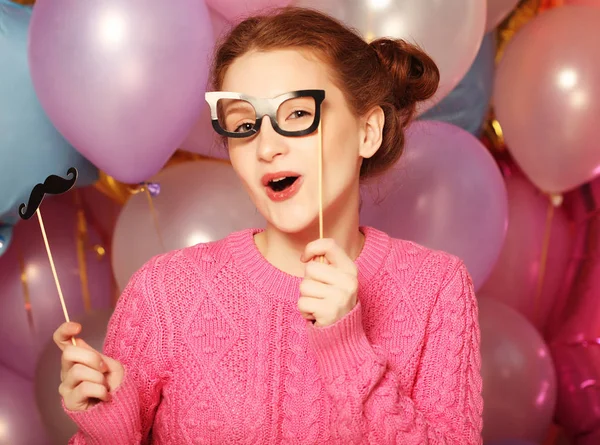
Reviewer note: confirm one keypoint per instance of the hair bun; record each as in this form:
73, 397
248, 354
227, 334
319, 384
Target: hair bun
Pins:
415, 76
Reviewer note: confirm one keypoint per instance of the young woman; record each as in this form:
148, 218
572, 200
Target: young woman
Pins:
254, 339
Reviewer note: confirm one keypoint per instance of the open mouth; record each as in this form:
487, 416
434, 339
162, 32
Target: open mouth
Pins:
281, 184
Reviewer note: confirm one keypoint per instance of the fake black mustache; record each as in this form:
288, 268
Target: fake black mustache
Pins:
53, 185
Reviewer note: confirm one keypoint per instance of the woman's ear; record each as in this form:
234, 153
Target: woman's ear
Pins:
372, 132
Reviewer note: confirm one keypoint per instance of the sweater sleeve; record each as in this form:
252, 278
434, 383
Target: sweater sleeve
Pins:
446, 404
133, 338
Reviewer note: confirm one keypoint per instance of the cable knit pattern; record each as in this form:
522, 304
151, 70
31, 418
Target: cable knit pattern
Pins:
216, 352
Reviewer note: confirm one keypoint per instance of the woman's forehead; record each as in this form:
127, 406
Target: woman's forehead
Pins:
271, 73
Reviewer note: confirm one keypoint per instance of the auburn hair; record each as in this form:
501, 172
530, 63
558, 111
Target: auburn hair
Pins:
389, 73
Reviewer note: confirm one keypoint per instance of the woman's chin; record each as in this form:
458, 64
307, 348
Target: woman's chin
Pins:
292, 224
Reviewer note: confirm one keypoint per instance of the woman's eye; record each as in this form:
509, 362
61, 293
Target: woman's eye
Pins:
247, 126
299, 114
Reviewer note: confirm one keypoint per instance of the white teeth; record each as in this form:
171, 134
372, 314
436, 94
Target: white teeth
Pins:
278, 179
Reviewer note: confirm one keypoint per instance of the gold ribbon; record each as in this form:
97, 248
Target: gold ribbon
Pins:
26, 295
552, 203
144, 189
82, 240
523, 13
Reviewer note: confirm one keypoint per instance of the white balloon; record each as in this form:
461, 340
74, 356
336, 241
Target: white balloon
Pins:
199, 201
450, 31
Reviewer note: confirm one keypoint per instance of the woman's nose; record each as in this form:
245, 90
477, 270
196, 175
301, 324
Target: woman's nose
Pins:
270, 143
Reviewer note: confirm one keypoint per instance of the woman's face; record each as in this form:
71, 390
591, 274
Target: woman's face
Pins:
269, 155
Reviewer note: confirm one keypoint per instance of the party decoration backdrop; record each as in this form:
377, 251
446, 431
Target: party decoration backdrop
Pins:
30, 147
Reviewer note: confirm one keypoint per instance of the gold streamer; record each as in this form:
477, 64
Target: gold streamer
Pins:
82, 241
26, 295
155, 218
505, 32
553, 202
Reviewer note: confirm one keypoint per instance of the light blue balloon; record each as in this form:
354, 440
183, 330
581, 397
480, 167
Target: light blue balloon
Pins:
5, 237
467, 104
31, 148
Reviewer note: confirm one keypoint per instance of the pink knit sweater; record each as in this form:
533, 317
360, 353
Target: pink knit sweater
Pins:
216, 352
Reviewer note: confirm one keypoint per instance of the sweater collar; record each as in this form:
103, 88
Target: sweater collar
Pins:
279, 284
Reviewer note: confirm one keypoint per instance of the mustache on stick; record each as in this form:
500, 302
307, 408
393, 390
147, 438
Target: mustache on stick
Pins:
53, 185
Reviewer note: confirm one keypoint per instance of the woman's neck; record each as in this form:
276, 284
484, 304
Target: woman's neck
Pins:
283, 250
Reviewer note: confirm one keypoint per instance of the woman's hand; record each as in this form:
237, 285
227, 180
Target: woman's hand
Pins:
329, 289
87, 376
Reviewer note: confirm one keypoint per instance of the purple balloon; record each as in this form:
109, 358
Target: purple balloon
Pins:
23, 336
123, 81
446, 193
20, 421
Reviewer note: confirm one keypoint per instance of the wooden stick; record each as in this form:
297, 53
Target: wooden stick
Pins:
320, 154
49, 252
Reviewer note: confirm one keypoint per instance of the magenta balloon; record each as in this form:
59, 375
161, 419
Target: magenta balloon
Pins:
576, 345
519, 381
21, 344
446, 193
497, 10
20, 422
547, 97
578, 370
514, 279
123, 81
233, 9
199, 201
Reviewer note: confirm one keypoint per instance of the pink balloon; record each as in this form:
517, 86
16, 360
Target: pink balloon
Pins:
123, 81
547, 97
446, 193
514, 279
20, 422
234, 9
21, 343
519, 381
497, 10
451, 32
199, 201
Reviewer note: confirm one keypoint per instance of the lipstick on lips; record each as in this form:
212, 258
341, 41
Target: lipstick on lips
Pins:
281, 185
